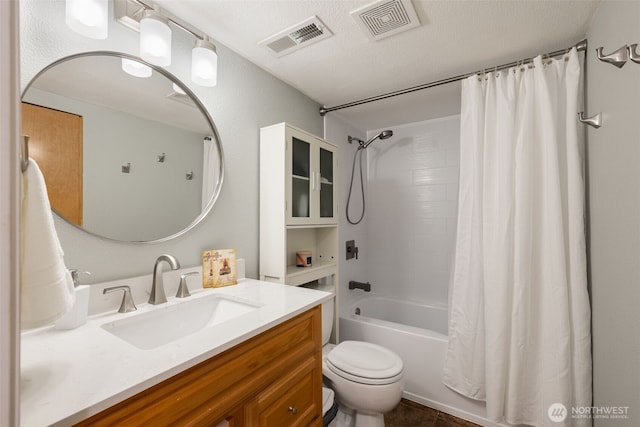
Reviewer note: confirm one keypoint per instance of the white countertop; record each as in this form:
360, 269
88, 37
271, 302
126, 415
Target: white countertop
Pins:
67, 376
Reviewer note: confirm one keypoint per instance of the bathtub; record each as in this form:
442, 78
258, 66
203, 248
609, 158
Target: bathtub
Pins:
418, 334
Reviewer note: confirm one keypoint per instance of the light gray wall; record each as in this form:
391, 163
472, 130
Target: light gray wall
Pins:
614, 212
245, 99
133, 206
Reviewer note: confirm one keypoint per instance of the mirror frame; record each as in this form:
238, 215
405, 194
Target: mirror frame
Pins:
197, 102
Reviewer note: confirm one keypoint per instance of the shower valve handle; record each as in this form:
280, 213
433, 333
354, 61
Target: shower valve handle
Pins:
352, 249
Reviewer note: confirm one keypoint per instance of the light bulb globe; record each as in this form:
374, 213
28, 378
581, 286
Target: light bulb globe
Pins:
155, 39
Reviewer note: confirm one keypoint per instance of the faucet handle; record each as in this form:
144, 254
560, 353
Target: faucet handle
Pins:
183, 289
127, 304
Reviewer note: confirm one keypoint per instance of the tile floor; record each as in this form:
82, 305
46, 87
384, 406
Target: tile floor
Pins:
411, 414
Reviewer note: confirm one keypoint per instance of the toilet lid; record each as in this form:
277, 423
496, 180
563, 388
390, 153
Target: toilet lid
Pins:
365, 363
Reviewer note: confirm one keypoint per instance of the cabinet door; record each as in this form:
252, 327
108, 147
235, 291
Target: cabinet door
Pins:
326, 184
300, 194
311, 171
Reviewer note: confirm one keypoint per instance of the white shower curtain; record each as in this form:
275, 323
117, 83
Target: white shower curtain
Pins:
519, 333
210, 166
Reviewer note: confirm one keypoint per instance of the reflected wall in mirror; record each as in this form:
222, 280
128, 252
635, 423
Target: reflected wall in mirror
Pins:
134, 159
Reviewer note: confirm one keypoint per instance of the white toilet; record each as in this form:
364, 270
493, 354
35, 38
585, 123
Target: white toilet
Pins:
367, 379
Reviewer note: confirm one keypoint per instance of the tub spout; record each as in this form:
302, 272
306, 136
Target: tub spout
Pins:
359, 285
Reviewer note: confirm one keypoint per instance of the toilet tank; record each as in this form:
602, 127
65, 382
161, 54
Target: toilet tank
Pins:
327, 319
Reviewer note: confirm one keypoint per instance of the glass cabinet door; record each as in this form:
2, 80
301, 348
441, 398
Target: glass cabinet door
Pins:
300, 179
326, 183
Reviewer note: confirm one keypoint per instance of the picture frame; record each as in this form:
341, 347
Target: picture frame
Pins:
219, 268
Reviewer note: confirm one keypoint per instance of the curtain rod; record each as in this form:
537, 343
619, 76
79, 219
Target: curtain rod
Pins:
580, 46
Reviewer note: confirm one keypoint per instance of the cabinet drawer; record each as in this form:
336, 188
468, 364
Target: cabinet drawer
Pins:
295, 400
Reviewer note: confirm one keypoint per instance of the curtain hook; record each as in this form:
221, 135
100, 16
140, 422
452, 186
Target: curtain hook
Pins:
481, 76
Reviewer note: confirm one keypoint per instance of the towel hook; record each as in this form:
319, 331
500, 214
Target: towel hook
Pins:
633, 55
593, 121
24, 160
617, 58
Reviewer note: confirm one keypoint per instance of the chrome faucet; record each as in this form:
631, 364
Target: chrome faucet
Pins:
157, 295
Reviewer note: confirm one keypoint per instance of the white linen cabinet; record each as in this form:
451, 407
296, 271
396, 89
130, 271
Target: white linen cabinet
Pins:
298, 205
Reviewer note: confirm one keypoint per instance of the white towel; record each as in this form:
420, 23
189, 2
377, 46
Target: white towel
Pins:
46, 285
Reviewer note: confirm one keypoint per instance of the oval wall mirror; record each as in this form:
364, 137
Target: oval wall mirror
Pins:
128, 156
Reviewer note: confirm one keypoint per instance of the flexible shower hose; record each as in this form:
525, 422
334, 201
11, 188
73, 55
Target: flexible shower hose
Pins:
353, 168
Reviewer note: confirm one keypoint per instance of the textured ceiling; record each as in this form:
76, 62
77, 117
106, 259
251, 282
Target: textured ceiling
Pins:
455, 37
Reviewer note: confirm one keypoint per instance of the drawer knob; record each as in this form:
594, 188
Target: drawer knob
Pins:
293, 409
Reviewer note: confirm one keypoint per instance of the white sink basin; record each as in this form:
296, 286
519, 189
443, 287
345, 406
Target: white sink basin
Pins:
168, 323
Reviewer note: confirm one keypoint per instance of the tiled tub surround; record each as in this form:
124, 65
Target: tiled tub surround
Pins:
67, 376
412, 188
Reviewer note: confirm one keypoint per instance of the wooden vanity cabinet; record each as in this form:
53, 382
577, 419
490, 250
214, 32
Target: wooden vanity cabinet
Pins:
273, 379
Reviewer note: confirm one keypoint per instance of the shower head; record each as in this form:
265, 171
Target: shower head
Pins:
385, 134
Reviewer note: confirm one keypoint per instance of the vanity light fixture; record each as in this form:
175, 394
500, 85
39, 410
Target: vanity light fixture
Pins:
204, 63
135, 68
89, 18
155, 38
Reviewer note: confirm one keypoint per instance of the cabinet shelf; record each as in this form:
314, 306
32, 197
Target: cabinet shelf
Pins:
299, 275
303, 227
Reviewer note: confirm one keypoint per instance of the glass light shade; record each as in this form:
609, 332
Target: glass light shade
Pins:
88, 17
155, 38
135, 68
204, 63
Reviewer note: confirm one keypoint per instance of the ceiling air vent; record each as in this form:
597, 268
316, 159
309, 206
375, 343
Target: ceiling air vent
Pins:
385, 18
296, 37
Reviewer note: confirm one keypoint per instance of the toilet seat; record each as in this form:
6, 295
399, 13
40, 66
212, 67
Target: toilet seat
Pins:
365, 363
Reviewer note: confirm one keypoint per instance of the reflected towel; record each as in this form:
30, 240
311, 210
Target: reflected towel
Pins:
46, 286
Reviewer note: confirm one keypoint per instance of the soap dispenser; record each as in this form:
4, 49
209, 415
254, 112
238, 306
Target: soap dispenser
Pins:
77, 315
